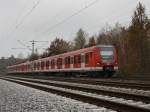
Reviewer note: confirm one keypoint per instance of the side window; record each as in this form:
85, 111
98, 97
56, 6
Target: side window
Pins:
47, 64
87, 58
28, 66
75, 61
91, 54
59, 61
53, 62
83, 58
38, 65
42, 64
67, 60
35, 66
71, 60
79, 58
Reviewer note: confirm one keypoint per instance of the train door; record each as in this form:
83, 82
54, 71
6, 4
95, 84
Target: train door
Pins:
59, 63
47, 64
38, 66
63, 63
53, 64
82, 60
67, 62
77, 61
89, 59
71, 62
42, 65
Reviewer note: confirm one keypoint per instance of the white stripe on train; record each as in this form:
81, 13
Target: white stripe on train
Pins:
67, 70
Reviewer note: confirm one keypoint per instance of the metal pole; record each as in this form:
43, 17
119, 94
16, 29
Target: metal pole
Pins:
33, 43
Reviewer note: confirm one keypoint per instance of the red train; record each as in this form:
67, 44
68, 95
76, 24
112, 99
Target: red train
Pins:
100, 59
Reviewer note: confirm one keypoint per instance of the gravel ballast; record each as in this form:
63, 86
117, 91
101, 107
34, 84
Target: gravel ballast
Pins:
18, 98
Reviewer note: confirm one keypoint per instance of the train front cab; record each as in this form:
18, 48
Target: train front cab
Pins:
107, 59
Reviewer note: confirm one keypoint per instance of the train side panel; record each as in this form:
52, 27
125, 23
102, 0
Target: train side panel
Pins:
88, 59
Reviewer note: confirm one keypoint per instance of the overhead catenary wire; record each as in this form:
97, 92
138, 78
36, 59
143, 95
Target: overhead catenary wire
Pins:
12, 28
21, 22
30, 11
66, 19
18, 24
33, 49
28, 47
20, 14
102, 20
33, 45
69, 17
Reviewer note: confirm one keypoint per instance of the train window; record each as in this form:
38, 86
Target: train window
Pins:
47, 64
82, 58
38, 65
42, 64
67, 60
35, 66
79, 58
59, 61
87, 58
107, 53
91, 54
71, 60
28, 66
53, 62
75, 61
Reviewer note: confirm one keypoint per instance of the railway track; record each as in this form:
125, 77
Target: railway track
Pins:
89, 94
133, 84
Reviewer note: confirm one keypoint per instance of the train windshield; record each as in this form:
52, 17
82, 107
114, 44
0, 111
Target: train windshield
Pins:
107, 53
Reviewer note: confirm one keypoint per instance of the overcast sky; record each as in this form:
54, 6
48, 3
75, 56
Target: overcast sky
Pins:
26, 20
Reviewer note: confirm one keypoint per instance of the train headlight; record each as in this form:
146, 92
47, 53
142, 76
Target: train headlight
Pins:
98, 63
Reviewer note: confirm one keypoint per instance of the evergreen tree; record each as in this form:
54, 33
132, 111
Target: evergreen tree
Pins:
58, 46
138, 46
92, 41
34, 56
80, 39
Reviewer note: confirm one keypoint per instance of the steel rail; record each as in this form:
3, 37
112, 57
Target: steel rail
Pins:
133, 85
89, 88
120, 107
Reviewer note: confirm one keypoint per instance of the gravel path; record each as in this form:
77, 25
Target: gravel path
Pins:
18, 98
